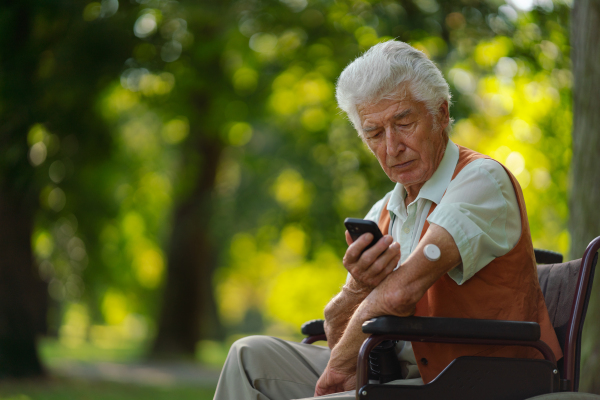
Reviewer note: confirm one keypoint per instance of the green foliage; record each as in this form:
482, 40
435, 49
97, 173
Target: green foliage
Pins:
130, 108
509, 75
519, 91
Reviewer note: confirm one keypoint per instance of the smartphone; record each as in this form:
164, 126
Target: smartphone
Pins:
357, 227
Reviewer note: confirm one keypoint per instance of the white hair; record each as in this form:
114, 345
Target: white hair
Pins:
376, 75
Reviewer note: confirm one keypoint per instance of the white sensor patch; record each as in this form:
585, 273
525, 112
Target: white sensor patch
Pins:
432, 252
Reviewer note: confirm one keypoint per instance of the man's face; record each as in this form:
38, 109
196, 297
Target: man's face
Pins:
404, 137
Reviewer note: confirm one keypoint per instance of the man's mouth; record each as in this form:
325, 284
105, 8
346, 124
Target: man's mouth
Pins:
403, 165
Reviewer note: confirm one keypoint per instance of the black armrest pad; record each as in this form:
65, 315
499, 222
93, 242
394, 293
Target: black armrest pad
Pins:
313, 328
547, 257
453, 328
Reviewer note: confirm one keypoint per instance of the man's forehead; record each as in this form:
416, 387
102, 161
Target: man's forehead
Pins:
388, 108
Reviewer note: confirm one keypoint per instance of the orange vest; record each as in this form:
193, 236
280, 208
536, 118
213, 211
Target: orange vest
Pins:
505, 289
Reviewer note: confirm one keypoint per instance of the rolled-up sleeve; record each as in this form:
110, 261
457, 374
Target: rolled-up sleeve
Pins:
480, 211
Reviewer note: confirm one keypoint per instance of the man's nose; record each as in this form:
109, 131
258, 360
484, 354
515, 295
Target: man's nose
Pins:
393, 142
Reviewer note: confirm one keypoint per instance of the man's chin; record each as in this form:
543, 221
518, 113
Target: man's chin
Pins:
404, 179
401, 178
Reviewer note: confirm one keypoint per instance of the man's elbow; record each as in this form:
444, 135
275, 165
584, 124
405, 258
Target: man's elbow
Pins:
330, 310
402, 302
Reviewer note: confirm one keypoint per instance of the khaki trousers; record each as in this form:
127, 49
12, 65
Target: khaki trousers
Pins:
268, 368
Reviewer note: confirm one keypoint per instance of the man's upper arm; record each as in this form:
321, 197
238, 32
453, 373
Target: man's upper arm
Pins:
481, 212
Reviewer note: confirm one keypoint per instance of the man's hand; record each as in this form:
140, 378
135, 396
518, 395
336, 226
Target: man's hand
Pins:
335, 381
340, 374
367, 271
371, 267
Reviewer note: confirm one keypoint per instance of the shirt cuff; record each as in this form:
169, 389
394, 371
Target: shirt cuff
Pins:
452, 221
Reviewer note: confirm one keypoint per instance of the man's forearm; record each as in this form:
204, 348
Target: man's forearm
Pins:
344, 355
339, 375
397, 295
340, 309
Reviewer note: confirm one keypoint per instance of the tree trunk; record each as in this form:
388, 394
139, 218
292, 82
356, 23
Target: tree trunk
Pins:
189, 310
22, 293
585, 193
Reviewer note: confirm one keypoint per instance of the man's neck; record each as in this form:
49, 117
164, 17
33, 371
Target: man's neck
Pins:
412, 191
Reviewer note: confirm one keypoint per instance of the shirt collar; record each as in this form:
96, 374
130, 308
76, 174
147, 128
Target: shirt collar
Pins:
435, 187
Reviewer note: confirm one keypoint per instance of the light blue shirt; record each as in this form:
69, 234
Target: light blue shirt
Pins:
478, 208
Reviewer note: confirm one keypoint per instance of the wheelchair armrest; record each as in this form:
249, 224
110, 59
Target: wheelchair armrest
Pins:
453, 328
314, 331
547, 257
313, 328
448, 330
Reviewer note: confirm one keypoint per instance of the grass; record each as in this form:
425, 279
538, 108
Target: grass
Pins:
53, 352
209, 353
70, 389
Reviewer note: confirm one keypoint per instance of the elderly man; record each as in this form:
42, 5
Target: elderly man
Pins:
465, 203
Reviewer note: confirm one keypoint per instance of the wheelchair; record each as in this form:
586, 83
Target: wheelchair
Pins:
566, 288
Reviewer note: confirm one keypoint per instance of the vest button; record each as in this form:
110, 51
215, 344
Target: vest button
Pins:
424, 361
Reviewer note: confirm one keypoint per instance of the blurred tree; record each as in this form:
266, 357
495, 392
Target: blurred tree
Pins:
303, 170
49, 82
585, 168
210, 130
188, 311
22, 293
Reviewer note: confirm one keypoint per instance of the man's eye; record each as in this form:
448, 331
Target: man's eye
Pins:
375, 135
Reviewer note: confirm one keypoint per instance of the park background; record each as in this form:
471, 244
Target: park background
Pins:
174, 175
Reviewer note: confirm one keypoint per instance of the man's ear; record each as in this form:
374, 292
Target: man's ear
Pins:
443, 115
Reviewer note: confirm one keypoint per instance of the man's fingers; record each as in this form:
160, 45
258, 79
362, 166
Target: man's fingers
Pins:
370, 267
384, 264
329, 383
389, 268
369, 256
355, 254
385, 258
355, 249
349, 238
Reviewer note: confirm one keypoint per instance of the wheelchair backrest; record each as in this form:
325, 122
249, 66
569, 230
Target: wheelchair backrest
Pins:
558, 283
567, 288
